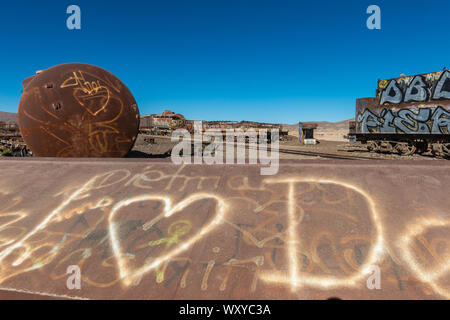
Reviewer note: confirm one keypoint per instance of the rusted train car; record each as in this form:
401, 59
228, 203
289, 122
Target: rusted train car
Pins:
9, 127
408, 115
162, 124
11, 142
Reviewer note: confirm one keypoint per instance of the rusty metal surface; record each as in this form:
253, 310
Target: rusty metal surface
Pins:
78, 110
310, 125
141, 229
162, 124
432, 117
428, 81
417, 104
240, 125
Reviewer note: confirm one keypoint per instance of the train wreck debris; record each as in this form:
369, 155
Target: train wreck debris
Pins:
162, 124
408, 115
166, 123
77, 110
11, 142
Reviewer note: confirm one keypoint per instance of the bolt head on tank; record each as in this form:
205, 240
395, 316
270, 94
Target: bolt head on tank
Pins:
77, 110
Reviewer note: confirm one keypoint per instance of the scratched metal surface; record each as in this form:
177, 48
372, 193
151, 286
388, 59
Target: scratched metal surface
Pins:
78, 110
141, 229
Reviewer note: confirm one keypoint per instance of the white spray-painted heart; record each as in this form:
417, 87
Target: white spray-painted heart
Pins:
127, 274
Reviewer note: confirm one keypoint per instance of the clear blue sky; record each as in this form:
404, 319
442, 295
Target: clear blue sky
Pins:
272, 61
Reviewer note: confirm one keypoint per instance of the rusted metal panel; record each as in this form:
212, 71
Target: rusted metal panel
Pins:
310, 125
418, 105
426, 118
414, 89
146, 122
242, 125
154, 230
78, 110
162, 124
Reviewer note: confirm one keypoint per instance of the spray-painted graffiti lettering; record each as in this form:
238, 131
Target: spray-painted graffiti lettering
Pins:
421, 88
430, 120
172, 232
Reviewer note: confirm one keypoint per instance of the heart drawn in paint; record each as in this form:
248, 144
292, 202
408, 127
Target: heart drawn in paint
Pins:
128, 275
94, 100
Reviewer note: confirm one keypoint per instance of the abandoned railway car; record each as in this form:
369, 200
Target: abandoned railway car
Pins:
408, 115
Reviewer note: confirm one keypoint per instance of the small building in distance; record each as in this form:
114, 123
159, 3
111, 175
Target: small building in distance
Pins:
306, 132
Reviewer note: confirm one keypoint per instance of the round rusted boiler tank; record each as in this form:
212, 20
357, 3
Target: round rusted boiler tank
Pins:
77, 110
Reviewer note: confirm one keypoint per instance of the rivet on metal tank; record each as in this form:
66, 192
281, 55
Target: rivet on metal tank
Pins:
78, 110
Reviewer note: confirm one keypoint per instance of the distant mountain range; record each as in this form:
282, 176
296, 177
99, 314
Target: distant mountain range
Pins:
324, 126
8, 117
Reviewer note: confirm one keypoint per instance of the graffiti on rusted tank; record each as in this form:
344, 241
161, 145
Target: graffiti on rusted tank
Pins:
408, 105
420, 88
430, 118
77, 110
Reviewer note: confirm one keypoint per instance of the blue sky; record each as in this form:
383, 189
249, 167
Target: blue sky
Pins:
271, 61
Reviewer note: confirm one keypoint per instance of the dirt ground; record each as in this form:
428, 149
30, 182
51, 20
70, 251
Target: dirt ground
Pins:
321, 135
